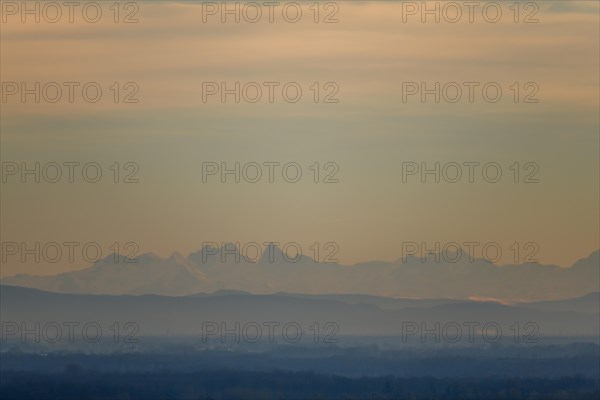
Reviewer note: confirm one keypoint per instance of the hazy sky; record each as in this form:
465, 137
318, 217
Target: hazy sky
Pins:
369, 133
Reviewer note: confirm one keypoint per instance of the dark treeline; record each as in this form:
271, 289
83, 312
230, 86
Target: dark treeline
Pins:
74, 383
532, 362
182, 371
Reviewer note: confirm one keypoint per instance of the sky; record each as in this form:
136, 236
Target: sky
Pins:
368, 61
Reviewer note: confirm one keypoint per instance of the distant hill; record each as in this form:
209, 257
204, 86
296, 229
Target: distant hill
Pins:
588, 303
161, 315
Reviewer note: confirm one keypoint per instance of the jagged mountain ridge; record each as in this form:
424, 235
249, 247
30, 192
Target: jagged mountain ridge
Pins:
179, 276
